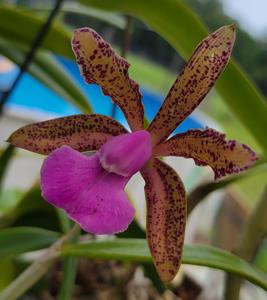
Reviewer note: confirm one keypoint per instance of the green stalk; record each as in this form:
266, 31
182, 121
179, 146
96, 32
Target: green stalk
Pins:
70, 263
252, 234
69, 271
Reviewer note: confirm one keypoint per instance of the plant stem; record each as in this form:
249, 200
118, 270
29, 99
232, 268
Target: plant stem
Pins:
35, 271
69, 263
69, 271
31, 54
251, 236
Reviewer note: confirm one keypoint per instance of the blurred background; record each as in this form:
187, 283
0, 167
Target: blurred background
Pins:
154, 65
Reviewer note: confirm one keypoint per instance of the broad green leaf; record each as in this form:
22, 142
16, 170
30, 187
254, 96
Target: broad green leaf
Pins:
137, 250
17, 25
176, 23
5, 158
49, 71
18, 240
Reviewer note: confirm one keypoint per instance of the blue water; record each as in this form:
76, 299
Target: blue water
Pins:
32, 94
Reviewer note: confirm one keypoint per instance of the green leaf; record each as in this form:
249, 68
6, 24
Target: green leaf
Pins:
7, 274
76, 8
9, 198
49, 71
176, 23
5, 158
18, 240
201, 191
137, 250
29, 205
20, 26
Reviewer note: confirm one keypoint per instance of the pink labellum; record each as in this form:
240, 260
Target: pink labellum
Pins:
89, 194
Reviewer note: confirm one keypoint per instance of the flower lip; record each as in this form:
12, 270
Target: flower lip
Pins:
90, 195
126, 154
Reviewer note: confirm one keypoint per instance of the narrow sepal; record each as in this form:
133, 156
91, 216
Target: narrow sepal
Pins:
100, 64
166, 217
192, 85
81, 132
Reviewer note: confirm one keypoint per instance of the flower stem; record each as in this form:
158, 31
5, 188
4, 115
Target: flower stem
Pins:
35, 271
252, 234
69, 263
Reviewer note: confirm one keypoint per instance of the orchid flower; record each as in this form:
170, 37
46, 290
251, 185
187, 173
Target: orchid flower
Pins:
91, 188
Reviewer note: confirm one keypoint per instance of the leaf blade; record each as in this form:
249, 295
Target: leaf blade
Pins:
18, 240
136, 250
19, 25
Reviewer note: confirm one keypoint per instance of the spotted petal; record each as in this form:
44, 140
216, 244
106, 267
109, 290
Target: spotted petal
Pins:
90, 195
192, 85
81, 132
100, 64
209, 147
166, 217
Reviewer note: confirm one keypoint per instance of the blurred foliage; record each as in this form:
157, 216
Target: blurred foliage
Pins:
24, 212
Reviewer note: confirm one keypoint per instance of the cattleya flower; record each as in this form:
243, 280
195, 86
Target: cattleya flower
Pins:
91, 188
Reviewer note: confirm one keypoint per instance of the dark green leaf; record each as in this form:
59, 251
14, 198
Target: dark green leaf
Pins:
18, 240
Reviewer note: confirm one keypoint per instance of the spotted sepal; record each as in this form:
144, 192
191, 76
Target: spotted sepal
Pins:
99, 64
81, 132
192, 85
209, 147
